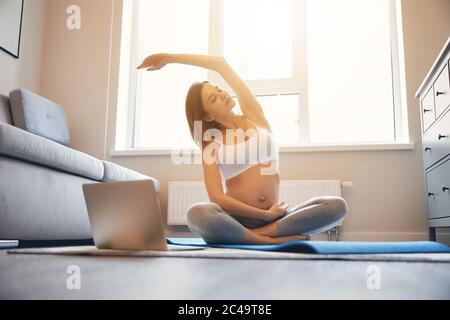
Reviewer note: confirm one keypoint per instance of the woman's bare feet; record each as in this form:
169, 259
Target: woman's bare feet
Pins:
289, 238
270, 230
254, 238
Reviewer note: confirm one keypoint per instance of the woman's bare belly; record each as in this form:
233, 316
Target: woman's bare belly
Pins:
254, 188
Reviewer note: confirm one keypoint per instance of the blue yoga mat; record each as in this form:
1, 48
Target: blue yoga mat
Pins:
327, 247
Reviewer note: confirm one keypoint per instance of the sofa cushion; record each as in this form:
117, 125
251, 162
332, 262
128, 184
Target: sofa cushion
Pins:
39, 115
20, 144
5, 111
114, 172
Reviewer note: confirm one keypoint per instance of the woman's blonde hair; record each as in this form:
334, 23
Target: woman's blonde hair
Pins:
195, 111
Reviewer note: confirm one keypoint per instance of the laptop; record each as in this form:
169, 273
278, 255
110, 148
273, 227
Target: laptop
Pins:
126, 215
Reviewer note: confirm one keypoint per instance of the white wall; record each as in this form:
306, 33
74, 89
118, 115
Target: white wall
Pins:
76, 64
388, 201
25, 72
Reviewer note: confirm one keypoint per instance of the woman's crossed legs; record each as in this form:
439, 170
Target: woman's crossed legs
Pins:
316, 215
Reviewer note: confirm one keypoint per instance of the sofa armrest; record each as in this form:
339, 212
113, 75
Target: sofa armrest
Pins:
114, 172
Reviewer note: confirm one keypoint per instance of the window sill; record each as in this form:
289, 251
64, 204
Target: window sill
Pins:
282, 149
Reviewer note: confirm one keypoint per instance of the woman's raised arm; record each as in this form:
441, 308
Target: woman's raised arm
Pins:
158, 61
248, 103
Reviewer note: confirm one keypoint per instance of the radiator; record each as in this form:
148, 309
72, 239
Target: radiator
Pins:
182, 194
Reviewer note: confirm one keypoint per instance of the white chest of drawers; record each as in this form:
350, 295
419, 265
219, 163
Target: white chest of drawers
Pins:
434, 97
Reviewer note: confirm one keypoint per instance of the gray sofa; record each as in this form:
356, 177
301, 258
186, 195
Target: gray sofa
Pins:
41, 178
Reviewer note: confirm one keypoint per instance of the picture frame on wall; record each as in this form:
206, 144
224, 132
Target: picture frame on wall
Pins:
11, 15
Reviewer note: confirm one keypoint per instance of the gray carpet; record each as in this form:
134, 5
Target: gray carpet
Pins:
220, 253
221, 275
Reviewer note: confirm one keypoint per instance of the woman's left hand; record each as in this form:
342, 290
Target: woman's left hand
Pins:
277, 211
155, 61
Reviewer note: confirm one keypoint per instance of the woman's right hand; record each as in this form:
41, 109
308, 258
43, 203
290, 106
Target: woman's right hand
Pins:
277, 211
155, 61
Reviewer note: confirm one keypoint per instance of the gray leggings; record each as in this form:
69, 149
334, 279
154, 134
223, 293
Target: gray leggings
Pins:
316, 215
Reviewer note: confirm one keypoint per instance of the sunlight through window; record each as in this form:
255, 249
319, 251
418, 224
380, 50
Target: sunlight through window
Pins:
321, 69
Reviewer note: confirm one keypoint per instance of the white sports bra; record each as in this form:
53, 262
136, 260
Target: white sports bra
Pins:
234, 159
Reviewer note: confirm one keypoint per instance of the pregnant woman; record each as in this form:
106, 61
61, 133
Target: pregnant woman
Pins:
249, 210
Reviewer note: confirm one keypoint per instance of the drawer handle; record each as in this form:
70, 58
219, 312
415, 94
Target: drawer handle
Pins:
426, 110
427, 148
430, 194
444, 188
439, 93
441, 136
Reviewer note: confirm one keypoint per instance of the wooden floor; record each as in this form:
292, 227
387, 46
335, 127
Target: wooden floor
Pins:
45, 277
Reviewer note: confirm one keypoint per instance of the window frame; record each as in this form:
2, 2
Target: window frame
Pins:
280, 87
265, 86
135, 79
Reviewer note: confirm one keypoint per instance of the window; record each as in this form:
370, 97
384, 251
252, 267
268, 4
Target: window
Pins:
177, 26
324, 71
349, 71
